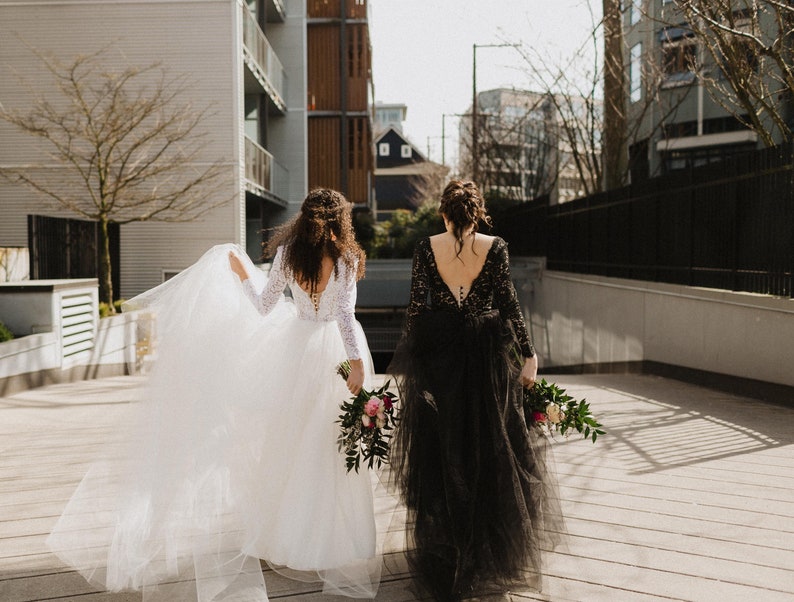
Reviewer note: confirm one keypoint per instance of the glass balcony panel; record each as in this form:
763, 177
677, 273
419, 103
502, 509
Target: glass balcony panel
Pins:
263, 61
264, 175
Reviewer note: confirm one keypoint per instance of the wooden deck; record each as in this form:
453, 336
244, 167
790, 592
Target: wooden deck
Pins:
690, 495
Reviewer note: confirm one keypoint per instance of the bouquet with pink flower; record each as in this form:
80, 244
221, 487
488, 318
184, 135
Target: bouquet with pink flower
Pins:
548, 407
366, 420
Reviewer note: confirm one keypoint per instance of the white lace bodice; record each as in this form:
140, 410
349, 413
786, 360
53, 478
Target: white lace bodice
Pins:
336, 302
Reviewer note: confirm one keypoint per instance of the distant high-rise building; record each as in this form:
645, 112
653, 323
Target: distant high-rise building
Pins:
521, 153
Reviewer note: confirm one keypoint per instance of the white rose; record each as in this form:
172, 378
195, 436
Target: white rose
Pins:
554, 413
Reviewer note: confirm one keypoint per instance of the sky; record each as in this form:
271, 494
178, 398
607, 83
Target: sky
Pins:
422, 54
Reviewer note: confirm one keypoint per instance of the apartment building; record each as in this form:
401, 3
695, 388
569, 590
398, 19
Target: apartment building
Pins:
677, 118
521, 152
253, 63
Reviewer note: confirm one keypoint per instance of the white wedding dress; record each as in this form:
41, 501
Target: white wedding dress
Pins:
233, 455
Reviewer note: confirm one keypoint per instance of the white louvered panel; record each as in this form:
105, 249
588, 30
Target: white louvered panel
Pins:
83, 317
77, 310
75, 300
77, 330
78, 351
78, 338
78, 324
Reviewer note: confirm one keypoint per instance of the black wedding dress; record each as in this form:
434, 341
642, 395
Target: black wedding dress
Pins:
480, 498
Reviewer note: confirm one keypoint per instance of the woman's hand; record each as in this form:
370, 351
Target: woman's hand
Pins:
356, 378
237, 266
529, 372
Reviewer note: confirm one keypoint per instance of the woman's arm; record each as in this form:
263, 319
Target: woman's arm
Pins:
420, 287
344, 312
506, 301
276, 282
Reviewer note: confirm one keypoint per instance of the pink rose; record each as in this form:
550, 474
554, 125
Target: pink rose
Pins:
372, 406
387, 402
538, 417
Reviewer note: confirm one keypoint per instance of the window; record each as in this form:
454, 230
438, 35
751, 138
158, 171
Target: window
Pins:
635, 73
635, 11
383, 149
679, 55
405, 151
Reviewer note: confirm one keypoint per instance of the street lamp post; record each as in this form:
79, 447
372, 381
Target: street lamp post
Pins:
444, 135
475, 158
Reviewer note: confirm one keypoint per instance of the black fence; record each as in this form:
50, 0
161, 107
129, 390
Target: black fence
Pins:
69, 248
727, 225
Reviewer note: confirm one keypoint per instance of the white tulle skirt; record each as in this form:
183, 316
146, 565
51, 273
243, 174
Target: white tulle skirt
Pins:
232, 457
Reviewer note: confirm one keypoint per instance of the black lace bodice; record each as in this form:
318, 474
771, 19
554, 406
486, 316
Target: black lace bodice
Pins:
491, 289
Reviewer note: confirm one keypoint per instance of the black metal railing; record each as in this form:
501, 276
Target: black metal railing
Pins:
727, 225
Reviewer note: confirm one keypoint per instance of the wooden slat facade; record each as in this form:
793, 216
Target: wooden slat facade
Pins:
360, 160
331, 9
359, 63
338, 79
324, 150
323, 68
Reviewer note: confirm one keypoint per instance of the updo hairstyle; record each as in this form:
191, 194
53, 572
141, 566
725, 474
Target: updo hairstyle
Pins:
463, 206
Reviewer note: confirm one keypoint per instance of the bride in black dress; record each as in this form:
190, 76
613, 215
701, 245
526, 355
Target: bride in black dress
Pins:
481, 503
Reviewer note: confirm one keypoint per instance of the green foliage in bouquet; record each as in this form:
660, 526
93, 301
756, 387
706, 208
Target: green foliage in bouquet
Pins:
365, 422
547, 405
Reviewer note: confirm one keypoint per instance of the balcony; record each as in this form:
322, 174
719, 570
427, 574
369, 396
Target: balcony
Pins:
264, 176
276, 12
265, 70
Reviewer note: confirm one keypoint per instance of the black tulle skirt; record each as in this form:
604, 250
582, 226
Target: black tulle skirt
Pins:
481, 498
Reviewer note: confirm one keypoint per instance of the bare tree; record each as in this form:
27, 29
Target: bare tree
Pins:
13, 264
748, 69
594, 128
129, 149
515, 145
615, 158
428, 183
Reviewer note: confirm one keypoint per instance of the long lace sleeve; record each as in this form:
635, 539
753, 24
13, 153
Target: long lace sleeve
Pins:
345, 311
271, 294
419, 284
506, 299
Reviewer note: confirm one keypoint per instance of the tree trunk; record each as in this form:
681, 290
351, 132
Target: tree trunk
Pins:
615, 154
105, 270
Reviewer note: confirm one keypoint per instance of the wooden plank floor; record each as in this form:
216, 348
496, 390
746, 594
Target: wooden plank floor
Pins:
690, 495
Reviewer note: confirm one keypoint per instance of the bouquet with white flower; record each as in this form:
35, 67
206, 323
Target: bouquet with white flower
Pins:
365, 422
548, 407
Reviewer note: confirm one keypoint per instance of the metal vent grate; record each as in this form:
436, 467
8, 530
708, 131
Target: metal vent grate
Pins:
78, 325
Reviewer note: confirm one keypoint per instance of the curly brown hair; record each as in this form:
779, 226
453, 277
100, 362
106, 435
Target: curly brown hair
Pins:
322, 228
464, 206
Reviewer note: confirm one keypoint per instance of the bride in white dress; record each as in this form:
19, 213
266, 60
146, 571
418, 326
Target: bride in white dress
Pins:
233, 457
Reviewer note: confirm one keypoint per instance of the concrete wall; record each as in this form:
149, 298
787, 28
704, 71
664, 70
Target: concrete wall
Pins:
578, 319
